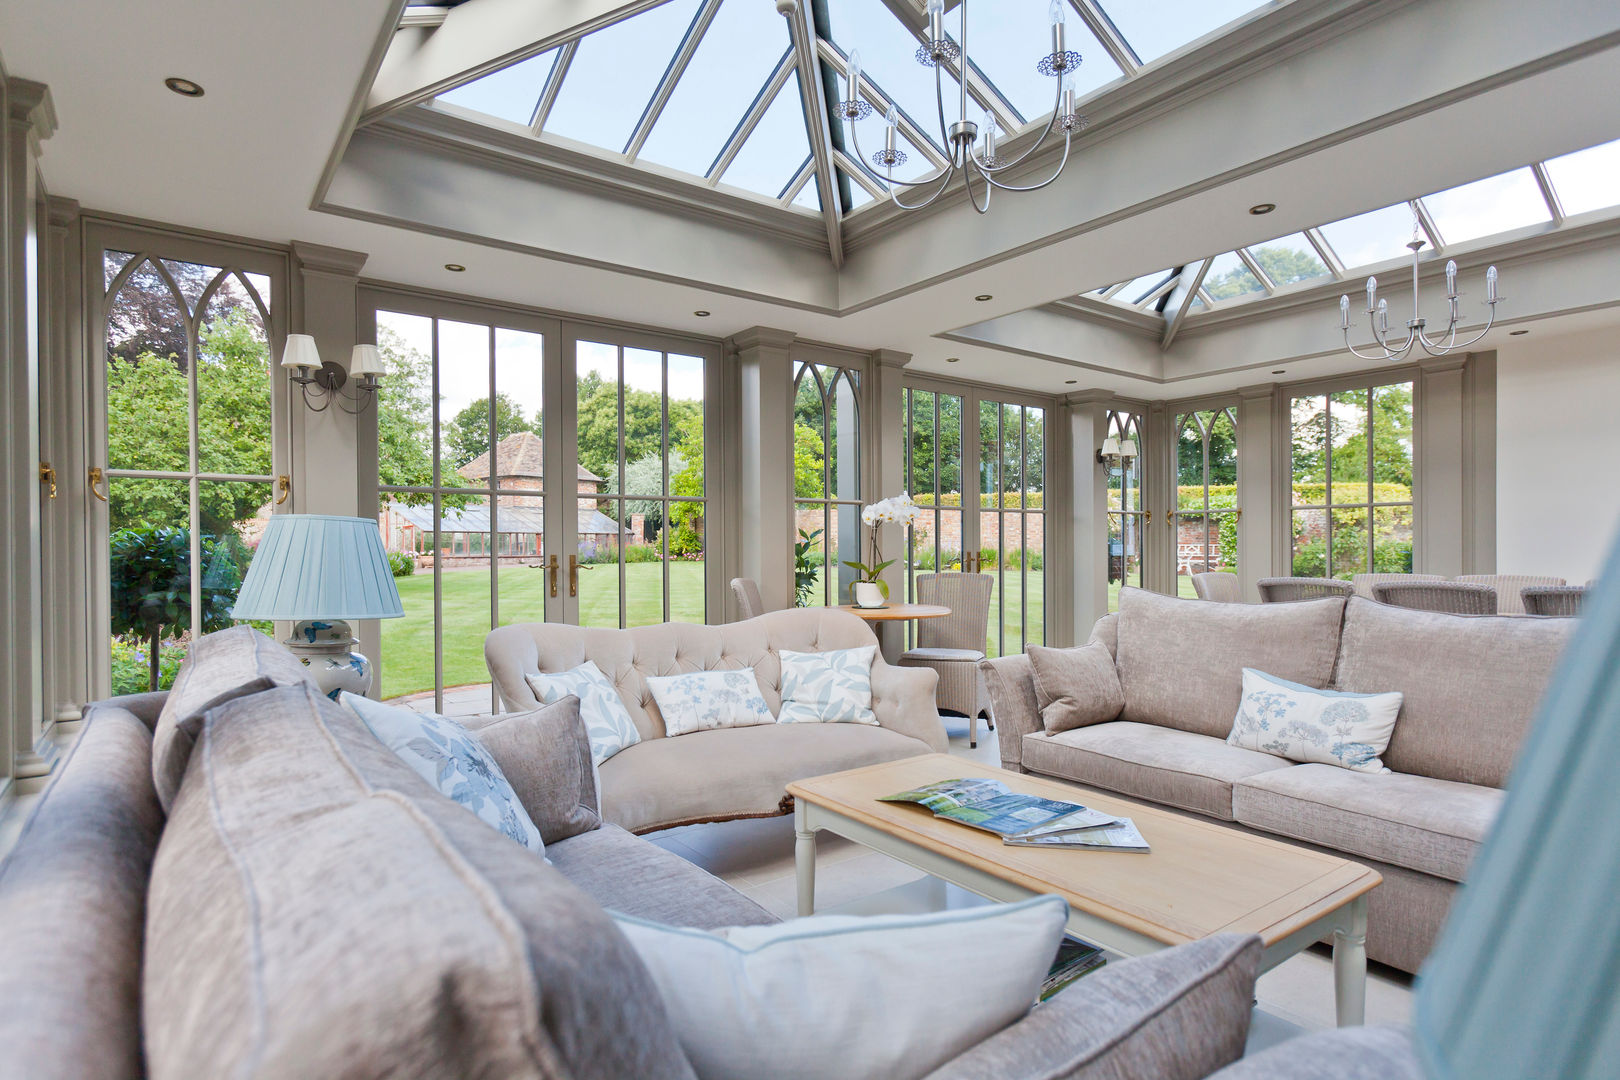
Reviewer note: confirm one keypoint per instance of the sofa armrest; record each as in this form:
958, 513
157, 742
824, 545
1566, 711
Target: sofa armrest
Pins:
1352, 1053
1179, 1014
144, 707
903, 701
1010, 681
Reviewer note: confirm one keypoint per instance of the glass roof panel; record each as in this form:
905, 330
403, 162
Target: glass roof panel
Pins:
1372, 237
809, 196
510, 93
1585, 180
888, 56
778, 147
1229, 279
1166, 25
1496, 204
859, 196
1139, 288
1289, 259
732, 64
1005, 49
614, 73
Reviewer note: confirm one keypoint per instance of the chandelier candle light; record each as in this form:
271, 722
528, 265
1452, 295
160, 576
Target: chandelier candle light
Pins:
1378, 312
868, 591
960, 137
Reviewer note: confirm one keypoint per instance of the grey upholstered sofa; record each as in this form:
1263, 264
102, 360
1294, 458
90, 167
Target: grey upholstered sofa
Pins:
1471, 685
310, 907
734, 772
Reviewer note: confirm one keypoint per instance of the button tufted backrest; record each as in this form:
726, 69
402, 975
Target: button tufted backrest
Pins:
628, 657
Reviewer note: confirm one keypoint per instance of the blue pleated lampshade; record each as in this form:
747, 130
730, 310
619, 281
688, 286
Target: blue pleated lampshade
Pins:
319, 566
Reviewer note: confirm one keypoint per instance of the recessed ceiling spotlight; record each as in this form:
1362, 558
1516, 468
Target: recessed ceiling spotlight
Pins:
1070, 382
454, 268
1517, 333
982, 297
953, 359
700, 313
183, 87
1280, 371
1262, 208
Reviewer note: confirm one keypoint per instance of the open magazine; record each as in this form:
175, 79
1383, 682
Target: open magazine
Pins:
990, 805
1120, 835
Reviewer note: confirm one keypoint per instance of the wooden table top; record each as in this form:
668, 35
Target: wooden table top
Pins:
896, 612
1199, 879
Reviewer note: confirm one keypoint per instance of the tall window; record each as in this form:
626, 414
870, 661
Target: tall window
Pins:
1012, 523
934, 478
1126, 519
463, 526
1206, 523
1352, 482
190, 466
826, 482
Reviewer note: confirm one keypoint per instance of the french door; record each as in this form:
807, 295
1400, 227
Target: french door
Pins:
976, 463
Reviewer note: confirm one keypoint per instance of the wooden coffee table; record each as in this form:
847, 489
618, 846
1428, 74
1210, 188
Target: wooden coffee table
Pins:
1199, 879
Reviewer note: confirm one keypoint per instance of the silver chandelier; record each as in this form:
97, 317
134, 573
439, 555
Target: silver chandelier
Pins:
959, 137
1378, 312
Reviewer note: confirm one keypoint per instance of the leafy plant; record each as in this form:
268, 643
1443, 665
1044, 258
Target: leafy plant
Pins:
131, 666
150, 570
806, 568
401, 563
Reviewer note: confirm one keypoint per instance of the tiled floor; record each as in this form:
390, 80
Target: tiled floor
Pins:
756, 857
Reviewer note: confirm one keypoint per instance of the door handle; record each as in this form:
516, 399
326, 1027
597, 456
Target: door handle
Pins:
96, 477
284, 486
574, 567
551, 572
47, 475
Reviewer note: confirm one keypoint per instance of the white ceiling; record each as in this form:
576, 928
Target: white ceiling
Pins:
247, 158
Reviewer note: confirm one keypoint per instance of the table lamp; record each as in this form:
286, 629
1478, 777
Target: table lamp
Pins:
318, 571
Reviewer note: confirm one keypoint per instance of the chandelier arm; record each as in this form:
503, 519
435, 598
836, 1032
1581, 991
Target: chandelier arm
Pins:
944, 179
1365, 356
1063, 161
1454, 344
968, 169
1040, 142
888, 181
1383, 338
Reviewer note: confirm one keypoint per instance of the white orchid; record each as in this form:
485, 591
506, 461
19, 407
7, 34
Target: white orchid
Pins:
901, 510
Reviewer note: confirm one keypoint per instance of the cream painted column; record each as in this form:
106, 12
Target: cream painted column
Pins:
1262, 472
885, 418
1086, 417
765, 489
68, 638
1440, 517
1160, 494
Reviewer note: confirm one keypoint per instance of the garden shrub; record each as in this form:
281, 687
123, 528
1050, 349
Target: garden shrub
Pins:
401, 563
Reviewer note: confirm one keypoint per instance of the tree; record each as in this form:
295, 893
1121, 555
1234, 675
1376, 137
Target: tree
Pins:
687, 482
150, 572
1286, 265
467, 434
146, 318
809, 461
1391, 408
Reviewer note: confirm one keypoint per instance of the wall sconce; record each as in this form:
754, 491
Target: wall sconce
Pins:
303, 361
1116, 451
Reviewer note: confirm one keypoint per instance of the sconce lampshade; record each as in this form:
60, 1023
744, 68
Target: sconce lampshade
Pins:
1110, 447
300, 352
365, 360
319, 566
1127, 448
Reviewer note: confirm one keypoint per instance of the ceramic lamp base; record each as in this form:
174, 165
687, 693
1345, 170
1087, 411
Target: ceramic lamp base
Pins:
326, 648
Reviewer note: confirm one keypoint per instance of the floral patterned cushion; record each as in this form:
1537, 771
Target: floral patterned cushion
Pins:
442, 752
1301, 723
702, 700
607, 721
827, 687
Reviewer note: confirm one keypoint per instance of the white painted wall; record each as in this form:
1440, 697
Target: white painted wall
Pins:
1557, 450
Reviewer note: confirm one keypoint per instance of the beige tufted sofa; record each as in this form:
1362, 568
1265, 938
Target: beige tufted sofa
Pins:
731, 773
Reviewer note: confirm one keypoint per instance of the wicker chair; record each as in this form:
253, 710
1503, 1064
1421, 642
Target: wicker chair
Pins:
1565, 600
1286, 590
953, 645
1217, 586
1363, 583
1450, 597
746, 590
1509, 587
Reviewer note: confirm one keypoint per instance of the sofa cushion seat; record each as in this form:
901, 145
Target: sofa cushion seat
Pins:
938, 655
734, 772
1416, 822
1160, 764
631, 876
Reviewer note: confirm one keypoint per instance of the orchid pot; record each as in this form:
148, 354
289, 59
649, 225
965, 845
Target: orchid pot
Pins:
869, 590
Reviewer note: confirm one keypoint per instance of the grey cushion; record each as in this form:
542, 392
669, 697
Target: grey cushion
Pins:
1179, 1014
73, 908
1010, 683
636, 877
545, 755
1160, 764
1355, 1053
219, 667
1106, 630
1075, 687
1435, 826
318, 909
734, 772
1471, 685
945, 656
1181, 661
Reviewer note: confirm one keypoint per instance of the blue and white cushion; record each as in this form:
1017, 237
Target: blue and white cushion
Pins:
441, 751
827, 687
607, 721
1302, 723
704, 700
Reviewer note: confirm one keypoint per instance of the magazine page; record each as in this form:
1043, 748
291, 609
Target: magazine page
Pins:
951, 794
990, 805
1120, 836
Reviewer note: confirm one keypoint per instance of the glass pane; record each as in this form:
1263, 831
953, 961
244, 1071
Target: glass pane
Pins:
1584, 180
888, 55
111, 263
192, 279
845, 542
1006, 49
1392, 442
809, 438
1310, 543
1223, 458
686, 419
858, 196
599, 586
148, 388
464, 405
1349, 544
233, 385
405, 663
810, 555
739, 51
508, 94
844, 442
1309, 426
233, 517
1493, 205
686, 602
1229, 279
149, 568
404, 415
1392, 540
644, 461
519, 385
989, 454
1189, 463
950, 540
614, 73
1289, 259
1141, 288
461, 558
1034, 458
521, 578
1223, 535
1159, 28
809, 197
1012, 464
1373, 237
920, 444
770, 159
597, 373
1347, 412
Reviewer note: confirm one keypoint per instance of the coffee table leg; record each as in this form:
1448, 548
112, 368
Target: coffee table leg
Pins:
1350, 966
804, 859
